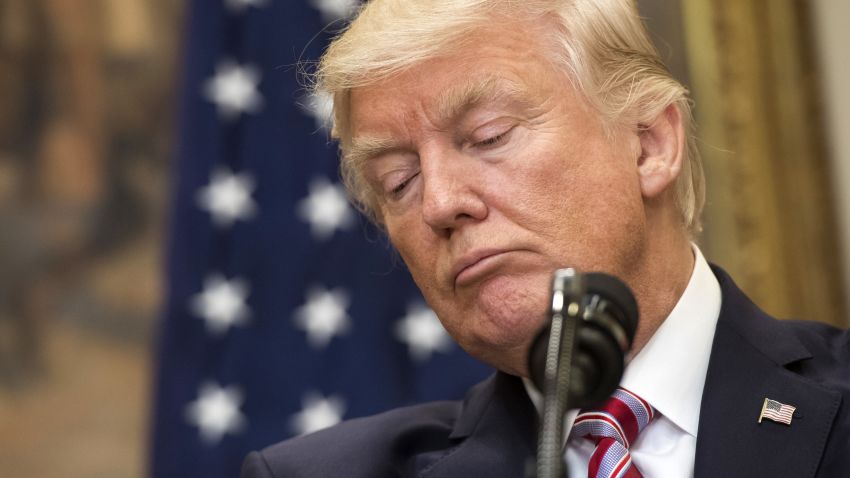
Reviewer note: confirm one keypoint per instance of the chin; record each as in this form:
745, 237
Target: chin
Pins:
509, 358
508, 316
507, 303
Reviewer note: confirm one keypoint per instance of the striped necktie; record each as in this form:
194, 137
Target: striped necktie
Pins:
614, 427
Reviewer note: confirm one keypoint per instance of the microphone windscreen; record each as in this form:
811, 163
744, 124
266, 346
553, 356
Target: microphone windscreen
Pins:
619, 296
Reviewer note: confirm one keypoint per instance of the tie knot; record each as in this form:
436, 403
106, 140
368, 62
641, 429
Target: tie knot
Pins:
622, 417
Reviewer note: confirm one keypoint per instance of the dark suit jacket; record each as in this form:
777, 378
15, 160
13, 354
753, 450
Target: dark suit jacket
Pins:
492, 433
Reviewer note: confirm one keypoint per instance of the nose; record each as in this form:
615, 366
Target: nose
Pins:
451, 192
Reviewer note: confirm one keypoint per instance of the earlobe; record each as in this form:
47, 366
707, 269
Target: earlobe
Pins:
661, 152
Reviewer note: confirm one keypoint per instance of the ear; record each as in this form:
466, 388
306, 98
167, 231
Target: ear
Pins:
661, 150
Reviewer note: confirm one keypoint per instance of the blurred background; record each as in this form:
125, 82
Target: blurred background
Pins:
86, 148
111, 123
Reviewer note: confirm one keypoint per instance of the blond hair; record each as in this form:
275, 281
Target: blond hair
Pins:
602, 45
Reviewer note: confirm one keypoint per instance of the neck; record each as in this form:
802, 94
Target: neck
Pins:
661, 281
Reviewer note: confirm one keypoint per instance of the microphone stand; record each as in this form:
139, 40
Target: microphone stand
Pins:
567, 290
594, 318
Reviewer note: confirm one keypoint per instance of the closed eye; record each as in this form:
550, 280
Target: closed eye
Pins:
490, 142
495, 140
396, 191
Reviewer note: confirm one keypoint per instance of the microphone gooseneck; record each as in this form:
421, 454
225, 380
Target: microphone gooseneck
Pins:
578, 359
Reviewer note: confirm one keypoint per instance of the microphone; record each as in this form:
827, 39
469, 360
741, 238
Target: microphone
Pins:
578, 360
608, 318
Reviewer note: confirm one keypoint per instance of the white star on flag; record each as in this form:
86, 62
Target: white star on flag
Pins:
320, 106
335, 9
239, 5
323, 316
216, 412
222, 303
233, 89
423, 333
228, 197
318, 413
326, 209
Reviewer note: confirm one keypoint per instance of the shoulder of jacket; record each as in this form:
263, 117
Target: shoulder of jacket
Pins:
374, 446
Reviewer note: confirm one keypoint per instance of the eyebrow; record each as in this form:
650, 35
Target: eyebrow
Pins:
363, 148
451, 104
458, 100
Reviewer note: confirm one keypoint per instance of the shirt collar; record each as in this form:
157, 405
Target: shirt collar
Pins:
669, 372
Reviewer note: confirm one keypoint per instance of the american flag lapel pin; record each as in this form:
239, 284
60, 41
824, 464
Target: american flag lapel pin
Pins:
777, 412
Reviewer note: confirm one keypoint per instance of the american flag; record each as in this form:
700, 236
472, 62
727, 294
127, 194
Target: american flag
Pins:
778, 412
286, 312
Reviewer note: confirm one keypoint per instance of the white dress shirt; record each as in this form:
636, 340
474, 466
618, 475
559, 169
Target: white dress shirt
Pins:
669, 373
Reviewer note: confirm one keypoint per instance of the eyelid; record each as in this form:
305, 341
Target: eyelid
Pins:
493, 137
392, 183
492, 128
400, 187
383, 168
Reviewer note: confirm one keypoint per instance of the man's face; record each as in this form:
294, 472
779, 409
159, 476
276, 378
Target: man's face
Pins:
492, 172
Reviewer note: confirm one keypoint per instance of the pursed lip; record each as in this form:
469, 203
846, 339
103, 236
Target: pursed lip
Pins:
472, 258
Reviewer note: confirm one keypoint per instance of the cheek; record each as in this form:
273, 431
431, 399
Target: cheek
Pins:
416, 250
586, 210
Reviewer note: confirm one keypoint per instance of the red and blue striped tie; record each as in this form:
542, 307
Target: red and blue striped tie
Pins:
614, 427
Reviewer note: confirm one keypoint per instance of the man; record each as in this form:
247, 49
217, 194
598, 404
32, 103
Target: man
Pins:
496, 141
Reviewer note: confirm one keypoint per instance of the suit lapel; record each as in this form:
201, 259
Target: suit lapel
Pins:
495, 434
751, 359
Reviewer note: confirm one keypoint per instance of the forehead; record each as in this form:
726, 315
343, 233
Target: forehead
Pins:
492, 64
